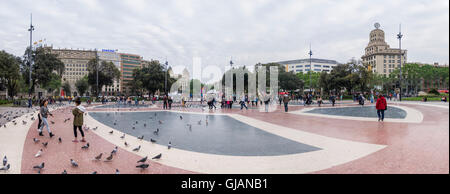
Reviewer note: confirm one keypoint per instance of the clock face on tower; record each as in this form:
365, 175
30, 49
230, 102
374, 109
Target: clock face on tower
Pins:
377, 25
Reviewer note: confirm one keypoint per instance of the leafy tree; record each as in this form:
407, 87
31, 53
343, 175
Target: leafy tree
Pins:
46, 66
151, 78
107, 73
67, 89
82, 85
10, 73
54, 83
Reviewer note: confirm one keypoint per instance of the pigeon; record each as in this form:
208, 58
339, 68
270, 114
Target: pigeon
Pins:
38, 154
181, 117
74, 164
24, 122
200, 122
117, 171
64, 172
60, 140
95, 172
5, 160
142, 160
141, 138
145, 125
136, 122
109, 158
85, 147
45, 144
99, 157
133, 128
114, 150
95, 128
115, 124
152, 140
111, 132
126, 144
40, 166
143, 166
157, 157
137, 149
6, 168
160, 122
35, 140
169, 146
52, 122
123, 136
156, 132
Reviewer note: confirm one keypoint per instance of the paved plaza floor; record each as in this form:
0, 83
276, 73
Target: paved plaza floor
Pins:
345, 139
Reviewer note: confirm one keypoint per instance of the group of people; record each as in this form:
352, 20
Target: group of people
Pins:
78, 119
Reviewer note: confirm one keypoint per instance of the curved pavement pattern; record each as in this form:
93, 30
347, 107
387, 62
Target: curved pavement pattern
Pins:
346, 145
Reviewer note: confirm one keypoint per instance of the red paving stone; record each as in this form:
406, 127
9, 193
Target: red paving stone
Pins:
411, 148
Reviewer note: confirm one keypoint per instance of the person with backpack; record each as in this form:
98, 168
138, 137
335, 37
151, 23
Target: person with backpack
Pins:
381, 106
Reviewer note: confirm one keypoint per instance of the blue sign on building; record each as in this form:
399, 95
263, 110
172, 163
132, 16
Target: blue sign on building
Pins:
108, 50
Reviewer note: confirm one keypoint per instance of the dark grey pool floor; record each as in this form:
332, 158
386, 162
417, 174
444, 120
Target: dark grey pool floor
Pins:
223, 135
366, 111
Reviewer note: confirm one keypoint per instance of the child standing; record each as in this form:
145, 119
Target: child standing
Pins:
78, 113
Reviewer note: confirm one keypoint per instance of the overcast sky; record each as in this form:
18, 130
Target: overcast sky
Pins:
250, 31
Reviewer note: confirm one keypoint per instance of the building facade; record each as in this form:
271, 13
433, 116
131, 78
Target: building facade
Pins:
379, 57
128, 62
306, 65
76, 63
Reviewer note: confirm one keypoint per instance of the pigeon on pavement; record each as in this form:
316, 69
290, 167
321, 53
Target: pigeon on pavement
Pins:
143, 160
137, 149
38, 154
157, 157
74, 164
40, 166
143, 166
99, 157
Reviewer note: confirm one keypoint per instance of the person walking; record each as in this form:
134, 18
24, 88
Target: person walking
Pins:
44, 112
165, 102
243, 103
333, 100
30, 102
266, 102
286, 102
169, 102
78, 113
381, 106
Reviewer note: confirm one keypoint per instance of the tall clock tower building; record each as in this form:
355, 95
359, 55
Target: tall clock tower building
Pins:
379, 57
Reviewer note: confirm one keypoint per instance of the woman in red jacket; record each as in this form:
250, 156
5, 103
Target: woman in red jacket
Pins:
381, 107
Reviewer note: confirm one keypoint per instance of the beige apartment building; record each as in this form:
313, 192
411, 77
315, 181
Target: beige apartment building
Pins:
76, 63
379, 57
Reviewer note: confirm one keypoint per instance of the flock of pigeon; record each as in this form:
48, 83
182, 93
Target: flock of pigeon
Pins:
10, 116
141, 163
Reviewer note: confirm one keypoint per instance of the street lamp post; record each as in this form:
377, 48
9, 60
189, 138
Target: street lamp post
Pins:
310, 67
96, 69
31, 29
400, 36
165, 77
